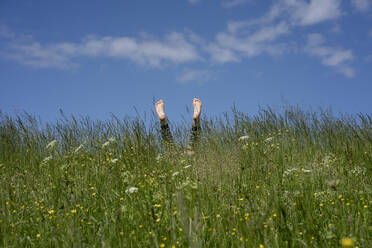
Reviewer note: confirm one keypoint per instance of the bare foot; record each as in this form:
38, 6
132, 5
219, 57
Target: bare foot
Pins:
159, 106
197, 109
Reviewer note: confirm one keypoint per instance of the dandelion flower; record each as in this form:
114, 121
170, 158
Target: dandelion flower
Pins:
131, 190
38, 235
347, 242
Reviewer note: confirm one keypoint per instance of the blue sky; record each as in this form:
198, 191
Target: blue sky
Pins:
93, 58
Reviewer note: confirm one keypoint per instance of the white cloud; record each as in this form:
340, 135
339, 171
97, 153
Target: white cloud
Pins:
233, 3
274, 12
174, 48
298, 12
290, 14
35, 55
197, 76
230, 47
308, 13
330, 56
221, 55
361, 5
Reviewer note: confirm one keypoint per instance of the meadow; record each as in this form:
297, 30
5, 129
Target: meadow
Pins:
292, 178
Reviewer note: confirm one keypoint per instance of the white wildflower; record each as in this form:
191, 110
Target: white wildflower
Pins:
51, 144
79, 148
131, 190
359, 171
105, 144
112, 139
244, 138
269, 139
159, 157
190, 153
288, 171
187, 166
114, 160
306, 171
175, 174
47, 159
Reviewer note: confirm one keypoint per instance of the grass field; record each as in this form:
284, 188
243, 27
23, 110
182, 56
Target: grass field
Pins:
289, 179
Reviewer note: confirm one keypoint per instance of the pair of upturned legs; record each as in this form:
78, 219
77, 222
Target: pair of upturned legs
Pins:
195, 130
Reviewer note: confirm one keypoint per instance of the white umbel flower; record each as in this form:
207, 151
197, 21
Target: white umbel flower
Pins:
51, 144
105, 144
131, 190
245, 137
269, 139
79, 148
47, 159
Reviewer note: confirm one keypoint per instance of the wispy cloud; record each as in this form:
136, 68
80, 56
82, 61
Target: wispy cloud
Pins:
267, 34
174, 48
361, 5
233, 3
231, 47
220, 54
313, 12
282, 17
296, 12
330, 56
196, 76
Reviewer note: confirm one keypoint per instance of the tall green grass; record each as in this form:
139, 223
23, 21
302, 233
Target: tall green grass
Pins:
290, 179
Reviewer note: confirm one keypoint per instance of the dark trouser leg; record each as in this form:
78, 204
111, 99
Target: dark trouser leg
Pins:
166, 135
195, 137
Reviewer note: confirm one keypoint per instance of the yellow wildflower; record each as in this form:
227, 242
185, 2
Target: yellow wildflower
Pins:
347, 242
